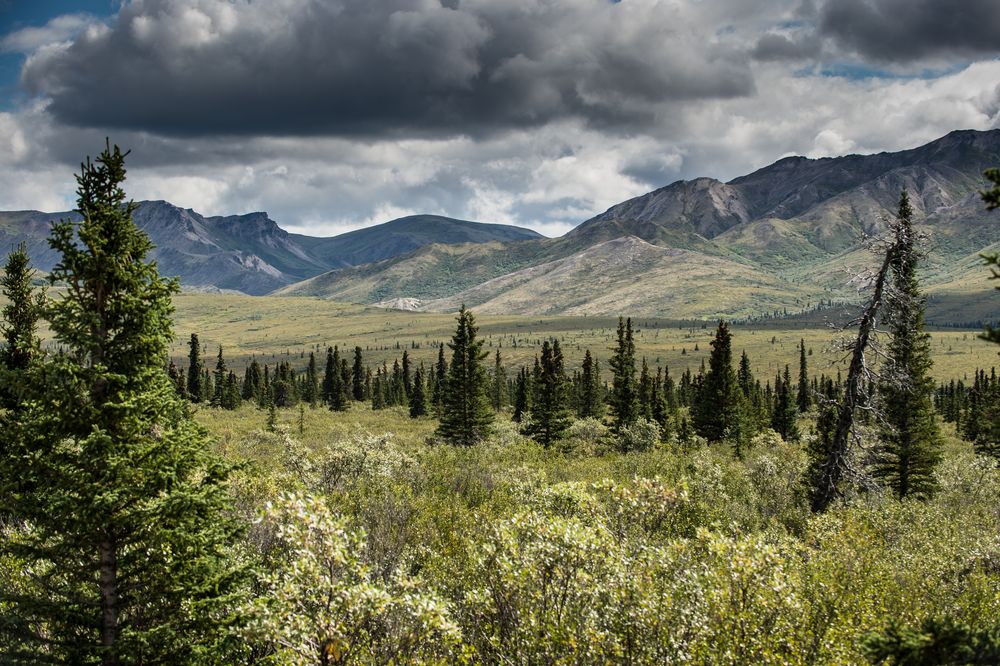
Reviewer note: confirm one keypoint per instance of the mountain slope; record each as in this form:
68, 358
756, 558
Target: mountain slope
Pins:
406, 234
251, 253
790, 227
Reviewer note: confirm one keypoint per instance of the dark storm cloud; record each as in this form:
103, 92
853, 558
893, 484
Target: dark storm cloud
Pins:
775, 46
898, 31
393, 67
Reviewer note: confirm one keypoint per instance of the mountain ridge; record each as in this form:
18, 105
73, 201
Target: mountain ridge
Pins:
788, 224
251, 253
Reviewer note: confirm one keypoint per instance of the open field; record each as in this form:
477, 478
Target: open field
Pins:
279, 328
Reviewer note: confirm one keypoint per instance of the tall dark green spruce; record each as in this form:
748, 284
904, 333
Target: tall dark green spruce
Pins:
466, 416
310, 388
130, 522
549, 411
195, 386
718, 409
20, 319
803, 398
221, 372
418, 394
589, 402
624, 398
440, 377
784, 418
358, 376
911, 441
498, 390
522, 395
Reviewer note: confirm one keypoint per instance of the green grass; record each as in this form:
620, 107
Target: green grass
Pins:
286, 328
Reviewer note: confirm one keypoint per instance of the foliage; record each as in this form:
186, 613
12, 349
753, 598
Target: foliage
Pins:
624, 398
322, 605
466, 414
718, 412
911, 446
20, 318
127, 532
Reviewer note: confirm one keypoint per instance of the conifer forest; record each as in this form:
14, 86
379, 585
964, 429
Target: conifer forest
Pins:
484, 498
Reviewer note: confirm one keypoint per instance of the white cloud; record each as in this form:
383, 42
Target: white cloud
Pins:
60, 29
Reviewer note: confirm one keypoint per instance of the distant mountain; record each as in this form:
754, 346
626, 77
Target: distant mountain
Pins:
406, 234
251, 253
777, 239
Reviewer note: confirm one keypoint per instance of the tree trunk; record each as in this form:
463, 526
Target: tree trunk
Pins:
833, 470
109, 601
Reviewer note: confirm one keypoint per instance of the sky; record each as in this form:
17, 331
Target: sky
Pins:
333, 115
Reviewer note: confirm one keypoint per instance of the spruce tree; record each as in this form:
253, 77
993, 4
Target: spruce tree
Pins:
624, 391
549, 412
338, 400
358, 376
418, 395
219, 386
407, 375
589, 403
195, 388
718, 410
498, 391
911, 441
466, 415
645, 392
440, 377
311, 390
329, 377
522, 395
804, 397
20, 319
129, 511
784, 419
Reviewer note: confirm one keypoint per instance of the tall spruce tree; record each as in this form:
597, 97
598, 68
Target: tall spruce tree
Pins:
784, 418
329, 377
338, 400
195, 386
310, 389
440, 377
498, 390
407, 375
129, 514
418, 394
20, 320
549, 410
589, 402
219, 387
645, 392
466, 415
804, 397
522, 395
718, 411
911, 441
624, 398
358, 376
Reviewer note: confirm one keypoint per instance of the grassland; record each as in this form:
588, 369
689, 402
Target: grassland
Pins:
288, 328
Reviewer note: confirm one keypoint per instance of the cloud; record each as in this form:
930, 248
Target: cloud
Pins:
337, 115
778, 46
901, 31
384, 69
60, 29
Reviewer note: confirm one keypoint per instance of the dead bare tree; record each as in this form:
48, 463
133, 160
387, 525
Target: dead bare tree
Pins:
836, 465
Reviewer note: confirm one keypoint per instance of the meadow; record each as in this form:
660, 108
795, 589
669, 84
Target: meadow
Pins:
275, 329
582, 553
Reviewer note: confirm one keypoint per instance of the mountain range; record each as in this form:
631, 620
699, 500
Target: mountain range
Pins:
251, 253
784, 238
